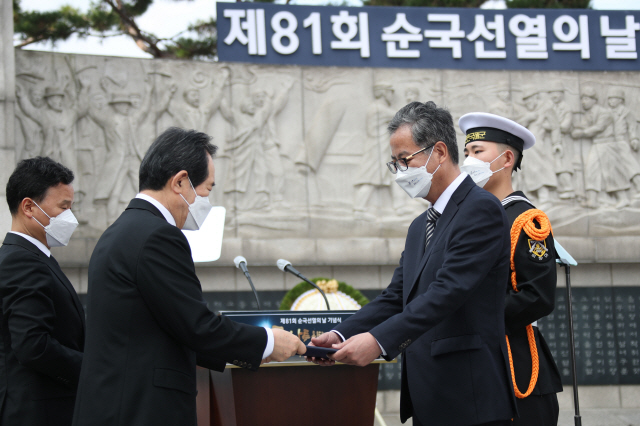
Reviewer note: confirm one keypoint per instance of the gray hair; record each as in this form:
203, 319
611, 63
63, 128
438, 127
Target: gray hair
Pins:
429, 124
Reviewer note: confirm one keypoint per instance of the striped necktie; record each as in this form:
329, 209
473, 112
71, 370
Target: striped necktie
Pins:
432, 217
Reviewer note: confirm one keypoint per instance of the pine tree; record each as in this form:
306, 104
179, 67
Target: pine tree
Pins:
108, 18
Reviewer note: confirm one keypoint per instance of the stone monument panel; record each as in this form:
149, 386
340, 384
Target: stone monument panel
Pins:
7, 106
606, 322
302, 150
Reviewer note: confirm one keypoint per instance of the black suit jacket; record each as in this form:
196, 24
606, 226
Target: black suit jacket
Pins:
444, 311
41, 337
146, 322
536, 282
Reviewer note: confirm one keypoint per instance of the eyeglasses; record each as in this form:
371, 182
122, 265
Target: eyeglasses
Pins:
402, 164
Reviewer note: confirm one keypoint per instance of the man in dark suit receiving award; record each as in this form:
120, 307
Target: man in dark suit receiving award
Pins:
444, 307
41, 318
148, 324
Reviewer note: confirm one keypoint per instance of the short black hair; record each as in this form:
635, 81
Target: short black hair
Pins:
517, 155
429, 124
32, 178
174, 150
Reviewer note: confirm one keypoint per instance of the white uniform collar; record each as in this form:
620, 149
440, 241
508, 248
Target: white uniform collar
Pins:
165, 212
444, 198
35, 242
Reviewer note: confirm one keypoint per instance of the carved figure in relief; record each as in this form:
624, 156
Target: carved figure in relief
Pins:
57, 120
539, 177
625, 131
610, 166
411, 94
121, 165
561, 118
192, 113
326, 121
503, 106
375, 152
255, 150
31, 130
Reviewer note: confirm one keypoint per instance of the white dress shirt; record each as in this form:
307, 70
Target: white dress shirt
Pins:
167, 215
35, 242
443, 200
158, 205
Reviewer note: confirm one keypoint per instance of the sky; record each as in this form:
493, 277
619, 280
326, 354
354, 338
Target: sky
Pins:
166, 18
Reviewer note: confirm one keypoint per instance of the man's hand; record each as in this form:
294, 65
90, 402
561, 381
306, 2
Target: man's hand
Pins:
325, 340
285, 345
359, 350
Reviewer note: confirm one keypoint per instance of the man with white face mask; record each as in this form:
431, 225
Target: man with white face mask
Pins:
493, 148
148, 323
41, 317
443, 308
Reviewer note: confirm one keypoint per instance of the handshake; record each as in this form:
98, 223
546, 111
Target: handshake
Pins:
359, 350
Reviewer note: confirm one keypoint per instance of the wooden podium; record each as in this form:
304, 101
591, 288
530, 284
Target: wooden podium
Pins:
288, 393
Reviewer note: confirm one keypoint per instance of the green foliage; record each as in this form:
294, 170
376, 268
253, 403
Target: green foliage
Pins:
295, 292
108, 18
548, 4
52, 26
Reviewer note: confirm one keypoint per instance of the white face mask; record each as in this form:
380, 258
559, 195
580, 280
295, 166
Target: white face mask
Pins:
480, 171
60, 228
198, 211
416, 181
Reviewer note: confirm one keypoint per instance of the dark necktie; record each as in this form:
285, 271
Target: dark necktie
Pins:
432, 217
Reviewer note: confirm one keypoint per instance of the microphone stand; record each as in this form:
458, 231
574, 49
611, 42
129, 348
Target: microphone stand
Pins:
577, 418
255, 293
564, 259
302, 277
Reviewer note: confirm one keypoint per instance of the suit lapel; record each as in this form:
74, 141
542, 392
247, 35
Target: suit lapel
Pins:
55, 268
441, 225
51, 262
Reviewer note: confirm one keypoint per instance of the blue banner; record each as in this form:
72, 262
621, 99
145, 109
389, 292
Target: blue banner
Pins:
422, 37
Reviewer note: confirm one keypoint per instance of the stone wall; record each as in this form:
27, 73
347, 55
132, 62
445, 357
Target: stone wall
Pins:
7, 105
301, 165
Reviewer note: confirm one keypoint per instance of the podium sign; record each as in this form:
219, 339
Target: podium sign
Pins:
304, 324
294, 391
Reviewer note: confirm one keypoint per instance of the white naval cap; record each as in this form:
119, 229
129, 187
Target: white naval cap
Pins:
482, 126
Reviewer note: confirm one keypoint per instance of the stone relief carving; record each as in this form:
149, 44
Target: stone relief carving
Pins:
610, 163
258, 173
303, 150
538, 174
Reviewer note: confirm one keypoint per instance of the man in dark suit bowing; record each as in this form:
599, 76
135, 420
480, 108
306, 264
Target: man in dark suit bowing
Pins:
41, 318
147, 322
444, 307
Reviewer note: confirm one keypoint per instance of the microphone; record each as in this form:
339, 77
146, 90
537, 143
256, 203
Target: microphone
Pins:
241, 263
285, 266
